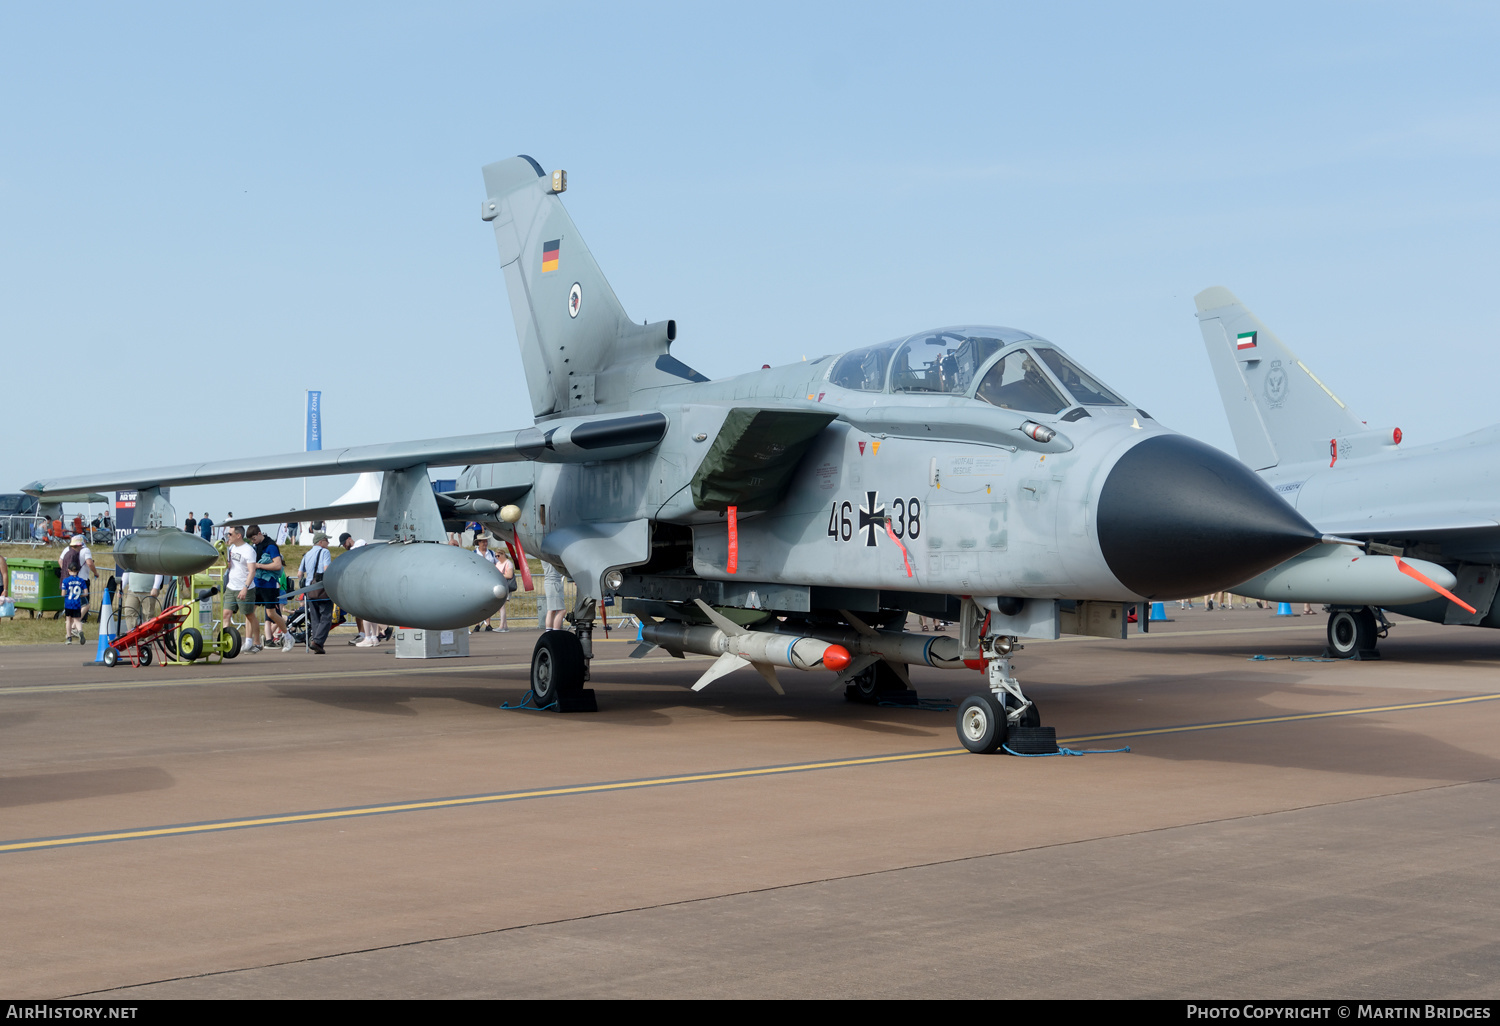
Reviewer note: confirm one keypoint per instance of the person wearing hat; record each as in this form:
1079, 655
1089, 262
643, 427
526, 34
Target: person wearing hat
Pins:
78, 560
239, 588
501, 562
319, 606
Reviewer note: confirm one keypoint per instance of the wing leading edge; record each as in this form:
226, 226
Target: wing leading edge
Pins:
572, 440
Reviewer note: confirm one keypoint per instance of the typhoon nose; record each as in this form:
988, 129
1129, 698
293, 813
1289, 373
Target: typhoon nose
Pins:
1177, 517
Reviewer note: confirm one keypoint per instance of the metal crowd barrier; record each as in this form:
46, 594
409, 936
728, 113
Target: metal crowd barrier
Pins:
23, 529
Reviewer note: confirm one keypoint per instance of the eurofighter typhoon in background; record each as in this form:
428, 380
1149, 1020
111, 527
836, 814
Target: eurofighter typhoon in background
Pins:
791, 516
1428, 518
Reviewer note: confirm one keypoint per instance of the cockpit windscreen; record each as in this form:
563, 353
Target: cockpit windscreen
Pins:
1086, 391
1018, 383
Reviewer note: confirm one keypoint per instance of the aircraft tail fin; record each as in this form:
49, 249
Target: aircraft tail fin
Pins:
1279, 411
579, 349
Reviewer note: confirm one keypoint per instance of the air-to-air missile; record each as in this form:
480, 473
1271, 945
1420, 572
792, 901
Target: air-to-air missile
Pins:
738, 646
164, 550
976, 474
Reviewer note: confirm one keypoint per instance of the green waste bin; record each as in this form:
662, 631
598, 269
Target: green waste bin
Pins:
36, 584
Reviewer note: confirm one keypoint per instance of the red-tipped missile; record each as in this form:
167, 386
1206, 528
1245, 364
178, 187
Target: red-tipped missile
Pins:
798, 653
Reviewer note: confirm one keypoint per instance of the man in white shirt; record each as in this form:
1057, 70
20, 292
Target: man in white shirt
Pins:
239, 590
319, 606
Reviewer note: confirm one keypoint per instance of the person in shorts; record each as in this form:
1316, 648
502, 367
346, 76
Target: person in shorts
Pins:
555, 597
482, 548
75, 603
239, 588
141, 600
268, 567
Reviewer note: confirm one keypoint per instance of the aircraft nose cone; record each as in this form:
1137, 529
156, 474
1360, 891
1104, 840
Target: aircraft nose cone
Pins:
1178, 518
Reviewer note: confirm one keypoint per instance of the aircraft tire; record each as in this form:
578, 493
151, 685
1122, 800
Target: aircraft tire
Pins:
982, 727
1350, 631
557, 666
869, 684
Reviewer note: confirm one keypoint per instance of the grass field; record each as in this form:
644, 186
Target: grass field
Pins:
24, 630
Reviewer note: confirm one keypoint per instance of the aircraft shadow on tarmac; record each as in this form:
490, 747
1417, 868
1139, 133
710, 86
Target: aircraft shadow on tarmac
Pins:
1371, 743
623, 706
45, 788
394, 700
1367, 744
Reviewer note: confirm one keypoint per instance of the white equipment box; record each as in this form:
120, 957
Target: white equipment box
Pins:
414, 643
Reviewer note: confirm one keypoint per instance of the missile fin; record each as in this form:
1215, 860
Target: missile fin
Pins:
728, 626
858, 624
726, 663
642, 650
769, 672
900, 670
857, 665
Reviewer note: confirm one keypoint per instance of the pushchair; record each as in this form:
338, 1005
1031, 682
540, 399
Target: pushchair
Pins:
296, 624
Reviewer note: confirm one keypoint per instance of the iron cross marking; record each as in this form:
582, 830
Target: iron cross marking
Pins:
871, 517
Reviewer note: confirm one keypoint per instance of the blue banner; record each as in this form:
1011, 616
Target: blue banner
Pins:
314, 421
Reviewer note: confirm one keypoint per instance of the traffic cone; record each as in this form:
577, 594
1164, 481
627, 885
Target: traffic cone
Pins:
107, 624
1158, 612
1284, 609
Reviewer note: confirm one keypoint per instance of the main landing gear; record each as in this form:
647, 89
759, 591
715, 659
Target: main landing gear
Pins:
1353, 631
986, 722
880, 682
560, 664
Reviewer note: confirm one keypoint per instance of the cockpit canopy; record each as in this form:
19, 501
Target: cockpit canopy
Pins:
1001, 366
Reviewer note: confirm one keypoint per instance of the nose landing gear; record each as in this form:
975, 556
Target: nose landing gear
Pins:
986, 723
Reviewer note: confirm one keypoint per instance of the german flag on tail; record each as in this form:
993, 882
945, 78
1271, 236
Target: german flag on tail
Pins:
549, 255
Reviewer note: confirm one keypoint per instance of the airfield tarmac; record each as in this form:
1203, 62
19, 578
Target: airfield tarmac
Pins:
359, 826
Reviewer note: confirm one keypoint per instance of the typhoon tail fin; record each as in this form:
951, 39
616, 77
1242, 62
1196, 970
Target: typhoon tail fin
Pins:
579, 349
1279, 411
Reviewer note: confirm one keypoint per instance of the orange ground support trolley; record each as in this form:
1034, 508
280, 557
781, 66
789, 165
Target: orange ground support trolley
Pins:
136, 644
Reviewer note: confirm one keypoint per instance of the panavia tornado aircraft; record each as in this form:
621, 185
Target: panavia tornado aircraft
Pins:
792, 516
1429, 517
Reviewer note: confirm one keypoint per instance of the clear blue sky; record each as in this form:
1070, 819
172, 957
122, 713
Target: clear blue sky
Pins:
206, 211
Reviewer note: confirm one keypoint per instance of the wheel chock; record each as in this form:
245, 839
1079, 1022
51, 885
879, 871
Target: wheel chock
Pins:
577, 701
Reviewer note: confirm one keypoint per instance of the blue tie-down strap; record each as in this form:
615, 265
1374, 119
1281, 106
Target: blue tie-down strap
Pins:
1067, 751
528, 703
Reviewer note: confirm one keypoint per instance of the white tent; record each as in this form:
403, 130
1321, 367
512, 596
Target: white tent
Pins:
365, 489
